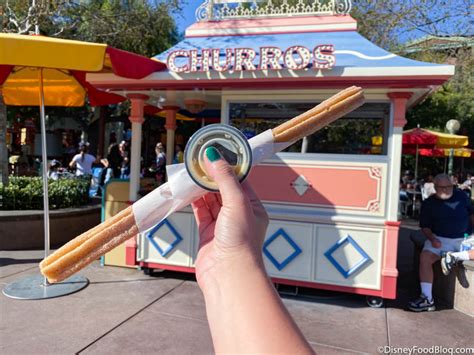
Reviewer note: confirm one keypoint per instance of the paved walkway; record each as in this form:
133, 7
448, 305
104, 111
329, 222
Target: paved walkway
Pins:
123, 311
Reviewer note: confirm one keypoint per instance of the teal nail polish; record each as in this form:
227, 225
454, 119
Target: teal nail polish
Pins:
213, 154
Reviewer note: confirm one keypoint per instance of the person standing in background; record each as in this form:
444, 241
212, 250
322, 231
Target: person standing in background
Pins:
160, 162
112, 164
179, 156
83, 161
125, 165
123, 149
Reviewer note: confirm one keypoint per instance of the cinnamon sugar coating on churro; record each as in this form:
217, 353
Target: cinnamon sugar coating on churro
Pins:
89, 246
320, 116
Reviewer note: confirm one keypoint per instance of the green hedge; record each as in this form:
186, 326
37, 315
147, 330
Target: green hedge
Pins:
26, 193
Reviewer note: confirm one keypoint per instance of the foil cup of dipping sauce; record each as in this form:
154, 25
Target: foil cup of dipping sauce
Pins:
231, 144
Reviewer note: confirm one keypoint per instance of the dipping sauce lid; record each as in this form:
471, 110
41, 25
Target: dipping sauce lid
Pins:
231, 144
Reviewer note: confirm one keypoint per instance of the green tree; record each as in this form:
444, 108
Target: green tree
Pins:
145, 27
453, 100
138, 26
385, 22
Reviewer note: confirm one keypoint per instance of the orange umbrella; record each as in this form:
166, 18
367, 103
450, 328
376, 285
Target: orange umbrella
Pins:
42, 71
35, 66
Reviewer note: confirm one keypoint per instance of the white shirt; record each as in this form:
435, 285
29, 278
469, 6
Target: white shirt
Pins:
83, 167
54, 175
428, 190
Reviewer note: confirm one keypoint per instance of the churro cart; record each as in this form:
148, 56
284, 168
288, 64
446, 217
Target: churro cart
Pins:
332, 197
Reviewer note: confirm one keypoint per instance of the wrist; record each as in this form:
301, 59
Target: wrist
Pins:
237, 271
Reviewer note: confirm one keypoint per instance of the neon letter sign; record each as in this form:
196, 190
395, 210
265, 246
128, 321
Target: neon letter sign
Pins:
243, 59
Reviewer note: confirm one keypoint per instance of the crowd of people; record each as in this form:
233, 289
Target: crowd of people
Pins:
81, 162
115, 164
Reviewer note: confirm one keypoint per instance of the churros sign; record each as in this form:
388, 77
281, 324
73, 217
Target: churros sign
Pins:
240, 59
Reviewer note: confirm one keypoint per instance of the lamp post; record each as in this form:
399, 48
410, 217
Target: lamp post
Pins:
452, 126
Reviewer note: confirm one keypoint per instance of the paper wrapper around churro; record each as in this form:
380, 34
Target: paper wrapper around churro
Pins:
180, 190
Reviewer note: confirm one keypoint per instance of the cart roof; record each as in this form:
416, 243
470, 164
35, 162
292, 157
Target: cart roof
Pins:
355, 60
352, 50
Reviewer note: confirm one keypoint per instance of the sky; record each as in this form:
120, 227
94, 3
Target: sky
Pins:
188, 17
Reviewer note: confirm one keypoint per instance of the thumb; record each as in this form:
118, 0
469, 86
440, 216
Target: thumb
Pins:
224, 176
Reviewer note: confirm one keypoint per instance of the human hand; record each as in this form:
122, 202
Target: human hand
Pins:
244, 312
231, 223
436, 243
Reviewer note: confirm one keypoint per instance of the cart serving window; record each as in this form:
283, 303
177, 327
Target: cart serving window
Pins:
352, 134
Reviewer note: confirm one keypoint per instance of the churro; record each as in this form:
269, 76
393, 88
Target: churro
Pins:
94, 243
320, 116
84, 249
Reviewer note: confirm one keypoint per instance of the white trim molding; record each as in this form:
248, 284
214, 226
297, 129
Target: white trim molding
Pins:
217, 10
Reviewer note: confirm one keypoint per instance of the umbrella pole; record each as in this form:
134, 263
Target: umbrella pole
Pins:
416, 180
451, 162
37, 287
44, 155
416, 163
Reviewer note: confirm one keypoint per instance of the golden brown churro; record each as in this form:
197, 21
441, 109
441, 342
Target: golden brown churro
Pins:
94, 243
320, 116
89, 246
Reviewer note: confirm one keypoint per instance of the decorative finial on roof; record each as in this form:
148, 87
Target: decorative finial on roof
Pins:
216, 10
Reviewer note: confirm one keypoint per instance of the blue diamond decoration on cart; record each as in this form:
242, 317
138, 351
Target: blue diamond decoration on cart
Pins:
295, 250
163, 226
340, 244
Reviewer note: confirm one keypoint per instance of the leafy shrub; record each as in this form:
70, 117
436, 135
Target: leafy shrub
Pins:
26, 193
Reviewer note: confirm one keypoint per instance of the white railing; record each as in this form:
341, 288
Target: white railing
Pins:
215, 10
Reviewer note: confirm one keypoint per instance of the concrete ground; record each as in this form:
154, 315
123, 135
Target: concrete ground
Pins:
123, 311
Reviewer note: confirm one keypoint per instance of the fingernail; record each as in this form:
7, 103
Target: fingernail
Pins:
213, 154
